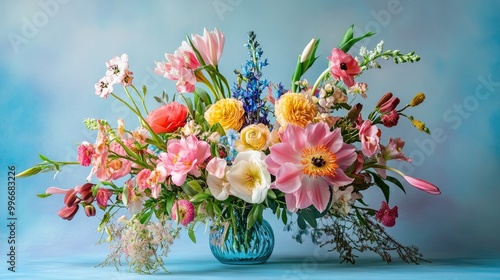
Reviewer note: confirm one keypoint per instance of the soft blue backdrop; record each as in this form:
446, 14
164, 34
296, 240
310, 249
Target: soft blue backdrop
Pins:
53, 51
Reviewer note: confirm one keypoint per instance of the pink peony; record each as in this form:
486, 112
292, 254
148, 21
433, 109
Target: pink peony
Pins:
167, 118
210, 45
386, 215
308, 162
343, 67
184, 156
185, 209
369, 136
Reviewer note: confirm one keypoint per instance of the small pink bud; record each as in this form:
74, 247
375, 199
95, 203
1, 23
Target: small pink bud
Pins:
89, 210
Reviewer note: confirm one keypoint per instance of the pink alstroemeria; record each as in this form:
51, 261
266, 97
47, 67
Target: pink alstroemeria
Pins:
113, 168
210, 45
386, 215
370, 138
135, 200
422, 185
157, 176
184, 156
308, 162
343, 67
389, 152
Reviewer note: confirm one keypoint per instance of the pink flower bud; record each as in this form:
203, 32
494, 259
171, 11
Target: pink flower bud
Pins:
68, 213
389, 105
70, 198
422, 185
89, 210
85, 192
391, 119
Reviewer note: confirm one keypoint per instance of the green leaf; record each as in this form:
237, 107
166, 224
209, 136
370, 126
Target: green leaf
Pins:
210, 209
146, 217
300, 222
191, 235
284, 216
199, 197
271, 194
159, 100
204, 96
395, 182
95, 188
43, 195
189, 105
217, 210
192, 188
382, 185
309, 217
349, 33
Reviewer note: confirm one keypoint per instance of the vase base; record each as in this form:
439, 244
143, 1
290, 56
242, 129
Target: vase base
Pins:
242, 262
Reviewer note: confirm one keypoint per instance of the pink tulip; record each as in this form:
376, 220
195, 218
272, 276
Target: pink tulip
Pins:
210, 45
422, 185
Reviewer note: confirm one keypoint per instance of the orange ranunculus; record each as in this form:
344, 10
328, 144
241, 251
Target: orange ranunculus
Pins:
167, 118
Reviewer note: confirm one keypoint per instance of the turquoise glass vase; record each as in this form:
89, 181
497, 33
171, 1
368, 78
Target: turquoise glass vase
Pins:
242, 245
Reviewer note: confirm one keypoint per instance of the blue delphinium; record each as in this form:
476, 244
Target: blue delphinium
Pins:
250, 86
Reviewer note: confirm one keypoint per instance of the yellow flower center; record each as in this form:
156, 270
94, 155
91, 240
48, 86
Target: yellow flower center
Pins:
318, 161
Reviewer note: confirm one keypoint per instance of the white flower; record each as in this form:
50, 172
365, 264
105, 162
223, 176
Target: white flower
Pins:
248, 176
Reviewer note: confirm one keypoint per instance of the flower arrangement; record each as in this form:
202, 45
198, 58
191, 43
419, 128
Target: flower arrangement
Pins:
306, 153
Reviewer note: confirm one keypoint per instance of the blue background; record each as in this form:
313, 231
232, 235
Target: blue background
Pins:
53, 52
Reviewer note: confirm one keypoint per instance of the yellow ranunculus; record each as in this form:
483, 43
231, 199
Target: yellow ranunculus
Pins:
295, 109
229, 113
253, 137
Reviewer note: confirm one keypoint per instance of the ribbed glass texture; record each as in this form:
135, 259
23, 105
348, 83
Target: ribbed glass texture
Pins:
253, 246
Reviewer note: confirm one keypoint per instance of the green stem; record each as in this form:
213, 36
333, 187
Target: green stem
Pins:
384, 167
318, 81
